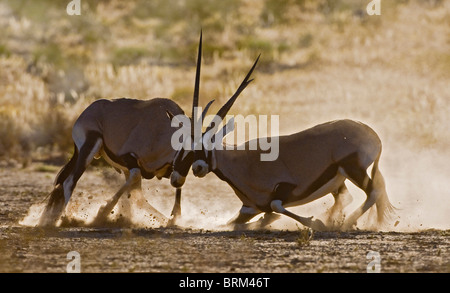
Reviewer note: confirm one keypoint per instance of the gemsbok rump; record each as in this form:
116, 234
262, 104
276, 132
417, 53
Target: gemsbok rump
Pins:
310, 164
134, 136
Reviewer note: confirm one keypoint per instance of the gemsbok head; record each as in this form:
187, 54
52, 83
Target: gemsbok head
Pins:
310, 164
134, 136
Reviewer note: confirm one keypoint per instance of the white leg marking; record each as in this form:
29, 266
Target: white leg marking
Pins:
249, 210
176, 179
67, 185
276, 206
95, 150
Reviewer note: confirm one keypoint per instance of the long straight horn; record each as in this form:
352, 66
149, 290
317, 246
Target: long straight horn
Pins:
197, 82
225, 108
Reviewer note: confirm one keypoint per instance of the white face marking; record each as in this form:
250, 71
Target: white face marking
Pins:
202, 167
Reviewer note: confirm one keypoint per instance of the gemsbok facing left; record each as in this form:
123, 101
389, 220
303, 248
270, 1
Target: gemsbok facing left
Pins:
134, 136
310, 164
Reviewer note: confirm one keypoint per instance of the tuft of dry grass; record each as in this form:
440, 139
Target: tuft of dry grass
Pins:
305, 236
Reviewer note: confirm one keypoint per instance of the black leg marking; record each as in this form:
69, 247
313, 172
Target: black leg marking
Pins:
282, 191
83, 159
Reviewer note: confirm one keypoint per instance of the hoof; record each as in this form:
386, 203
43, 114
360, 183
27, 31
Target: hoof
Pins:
101, 217
172, 222
318, 225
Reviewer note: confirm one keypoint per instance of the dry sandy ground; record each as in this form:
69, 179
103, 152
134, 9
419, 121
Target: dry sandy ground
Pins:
197, 245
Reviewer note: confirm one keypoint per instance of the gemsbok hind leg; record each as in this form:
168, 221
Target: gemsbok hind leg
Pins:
376, 194
335, 215
68, 177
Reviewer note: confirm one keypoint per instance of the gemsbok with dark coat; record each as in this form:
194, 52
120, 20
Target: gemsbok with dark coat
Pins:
134, 136
310, 164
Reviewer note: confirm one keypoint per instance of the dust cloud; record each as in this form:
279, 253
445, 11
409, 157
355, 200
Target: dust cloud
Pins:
417, 184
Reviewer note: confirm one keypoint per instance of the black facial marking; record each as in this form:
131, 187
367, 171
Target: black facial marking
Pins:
199, 155
182, 165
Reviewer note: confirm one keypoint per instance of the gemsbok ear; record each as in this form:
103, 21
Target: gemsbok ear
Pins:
169, 114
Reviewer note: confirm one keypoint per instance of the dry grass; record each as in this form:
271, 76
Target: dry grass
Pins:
321, 60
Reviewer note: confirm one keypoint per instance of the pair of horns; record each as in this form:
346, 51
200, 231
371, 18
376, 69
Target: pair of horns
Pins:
227, 106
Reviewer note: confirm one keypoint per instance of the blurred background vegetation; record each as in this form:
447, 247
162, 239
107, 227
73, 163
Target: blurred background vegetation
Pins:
321, 60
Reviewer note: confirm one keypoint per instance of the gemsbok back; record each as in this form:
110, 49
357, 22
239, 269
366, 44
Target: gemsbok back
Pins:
134, 136
310, 164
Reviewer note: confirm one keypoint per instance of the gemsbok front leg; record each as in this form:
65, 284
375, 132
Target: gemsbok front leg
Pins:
176, 210
105, 210
277, 206
244, 215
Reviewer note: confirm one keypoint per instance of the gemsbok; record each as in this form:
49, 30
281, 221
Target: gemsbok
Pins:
134, 136
310, 164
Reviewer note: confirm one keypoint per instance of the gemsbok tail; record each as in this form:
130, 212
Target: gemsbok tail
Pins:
385, 210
